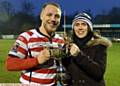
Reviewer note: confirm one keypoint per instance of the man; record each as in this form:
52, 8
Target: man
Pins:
30, 53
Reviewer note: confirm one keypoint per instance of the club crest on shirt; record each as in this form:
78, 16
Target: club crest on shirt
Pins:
15, 47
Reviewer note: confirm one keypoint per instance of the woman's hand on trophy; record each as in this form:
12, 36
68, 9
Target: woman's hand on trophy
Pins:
74, 49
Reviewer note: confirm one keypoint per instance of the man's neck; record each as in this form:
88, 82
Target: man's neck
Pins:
43, 31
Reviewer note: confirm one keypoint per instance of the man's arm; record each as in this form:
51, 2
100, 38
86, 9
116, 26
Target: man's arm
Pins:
16, 64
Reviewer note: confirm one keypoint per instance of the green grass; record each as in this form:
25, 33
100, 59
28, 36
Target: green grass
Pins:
112, 75
6, 76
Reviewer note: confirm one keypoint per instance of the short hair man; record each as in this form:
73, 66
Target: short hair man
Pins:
29, 53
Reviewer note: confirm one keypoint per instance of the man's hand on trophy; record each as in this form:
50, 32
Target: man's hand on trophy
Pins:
43, 56
74, 49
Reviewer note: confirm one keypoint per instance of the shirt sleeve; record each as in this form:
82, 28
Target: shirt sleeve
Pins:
19, 48
18, 55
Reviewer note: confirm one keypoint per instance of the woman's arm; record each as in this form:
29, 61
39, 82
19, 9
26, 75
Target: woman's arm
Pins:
95, 68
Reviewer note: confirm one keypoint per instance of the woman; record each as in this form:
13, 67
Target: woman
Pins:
86, 63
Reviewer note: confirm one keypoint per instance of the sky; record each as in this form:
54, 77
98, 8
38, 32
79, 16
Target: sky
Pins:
71, 6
